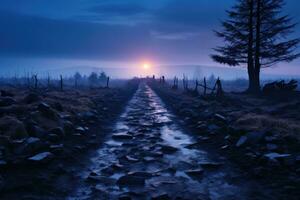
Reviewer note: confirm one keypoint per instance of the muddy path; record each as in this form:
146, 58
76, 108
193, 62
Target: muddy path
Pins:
150, 156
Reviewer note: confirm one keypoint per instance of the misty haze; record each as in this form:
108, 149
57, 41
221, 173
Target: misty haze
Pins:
158, 100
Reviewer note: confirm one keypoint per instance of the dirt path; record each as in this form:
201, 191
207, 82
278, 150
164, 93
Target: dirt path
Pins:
150, 156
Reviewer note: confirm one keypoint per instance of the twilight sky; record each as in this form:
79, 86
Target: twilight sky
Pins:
115, 33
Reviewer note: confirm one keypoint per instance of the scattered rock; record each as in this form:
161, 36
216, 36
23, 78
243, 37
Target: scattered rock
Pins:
68, 127
275, 156
220, 117
3, 163
12, 127
131, 180
7, 101
56, 148
124, 197
145, 175
41, 157
58, 106
149, 159
212, 127
271, 138
58, 131
122, 136
195, 172
255, 136
132, 159
80, 129
31, 98
224, 147
47, 111
5, 93
241, 141
168, 149
210, 164
272, 147
102, 179
164, 196
88, 116
33, 144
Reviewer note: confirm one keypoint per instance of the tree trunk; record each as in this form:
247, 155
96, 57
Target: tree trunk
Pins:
250, 67
257, 48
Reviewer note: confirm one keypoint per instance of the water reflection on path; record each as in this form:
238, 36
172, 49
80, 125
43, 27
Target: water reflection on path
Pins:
148, 156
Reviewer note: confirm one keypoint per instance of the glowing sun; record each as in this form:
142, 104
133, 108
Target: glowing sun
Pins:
146, 66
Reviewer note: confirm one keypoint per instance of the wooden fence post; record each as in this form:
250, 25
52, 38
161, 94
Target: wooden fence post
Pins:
35, 81
107, 82
61, 83
204, 92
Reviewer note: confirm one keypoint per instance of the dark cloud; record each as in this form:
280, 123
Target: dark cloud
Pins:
113, 29
118, 9
37, 36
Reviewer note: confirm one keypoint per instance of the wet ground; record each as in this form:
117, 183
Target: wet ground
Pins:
149, 156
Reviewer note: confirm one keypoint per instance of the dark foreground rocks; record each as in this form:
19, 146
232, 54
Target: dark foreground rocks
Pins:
260, 134
45, 135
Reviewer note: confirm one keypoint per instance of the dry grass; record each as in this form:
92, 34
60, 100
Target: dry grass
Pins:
256, 122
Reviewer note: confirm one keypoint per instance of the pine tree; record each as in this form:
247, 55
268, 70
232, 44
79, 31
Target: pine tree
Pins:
255, 36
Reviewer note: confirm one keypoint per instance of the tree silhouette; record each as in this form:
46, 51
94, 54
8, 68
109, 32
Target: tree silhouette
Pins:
93, 78
255, 35
77, 77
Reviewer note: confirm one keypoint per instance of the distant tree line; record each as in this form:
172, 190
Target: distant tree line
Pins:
93, 80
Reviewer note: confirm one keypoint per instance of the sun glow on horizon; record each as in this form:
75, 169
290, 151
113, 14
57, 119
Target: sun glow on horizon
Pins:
146, 66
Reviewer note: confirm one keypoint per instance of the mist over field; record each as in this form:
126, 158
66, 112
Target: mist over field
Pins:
149, 99
55, 67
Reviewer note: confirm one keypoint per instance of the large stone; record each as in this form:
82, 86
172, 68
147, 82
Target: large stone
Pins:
210, 165
47, 111
168, 149
5, 93
34, 130
195, 172
58, 131
163, 196
131, 180
122, 136
142, 174
58, 106
12, 127
94, 177
255, 136
33, 144
31, 98
68, 127
88, 115
272, 147
7, 101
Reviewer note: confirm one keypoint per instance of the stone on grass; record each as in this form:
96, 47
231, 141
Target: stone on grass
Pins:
241, 141
31, 98
168, 149
7, 101
131, 180
58, 131
41, 157
194, 172
220, 117
12, 128
275, 156
122, 136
